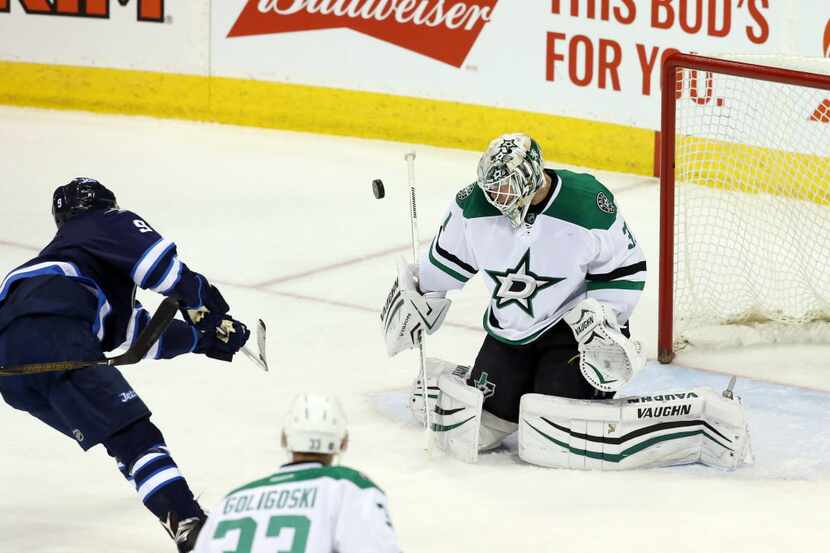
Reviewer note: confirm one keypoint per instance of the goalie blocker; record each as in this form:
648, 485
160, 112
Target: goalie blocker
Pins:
677, 428
407, 312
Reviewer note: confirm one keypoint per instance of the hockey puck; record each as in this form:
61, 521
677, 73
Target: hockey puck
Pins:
377, 189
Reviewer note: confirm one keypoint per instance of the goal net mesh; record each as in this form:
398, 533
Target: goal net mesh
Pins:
752, 208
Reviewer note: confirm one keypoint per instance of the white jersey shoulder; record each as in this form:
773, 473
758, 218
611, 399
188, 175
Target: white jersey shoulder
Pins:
306, 508
576, 245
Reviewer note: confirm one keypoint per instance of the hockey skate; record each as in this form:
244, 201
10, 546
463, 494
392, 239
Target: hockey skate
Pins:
184, 532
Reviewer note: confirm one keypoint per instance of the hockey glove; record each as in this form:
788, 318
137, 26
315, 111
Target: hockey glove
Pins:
211, 312
607, 358
224, 340
407, 312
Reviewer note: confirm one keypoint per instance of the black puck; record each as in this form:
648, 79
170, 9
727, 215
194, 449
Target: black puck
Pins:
377, 189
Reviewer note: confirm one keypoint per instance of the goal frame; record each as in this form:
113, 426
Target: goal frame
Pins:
669, 83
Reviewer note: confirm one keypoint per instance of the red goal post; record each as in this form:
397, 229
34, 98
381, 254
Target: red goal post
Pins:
679, 68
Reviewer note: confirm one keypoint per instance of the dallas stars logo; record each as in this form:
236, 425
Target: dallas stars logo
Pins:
519, 285
487, 388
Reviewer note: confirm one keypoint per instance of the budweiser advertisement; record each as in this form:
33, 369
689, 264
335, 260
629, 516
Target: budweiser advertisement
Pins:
444, 30
146, 10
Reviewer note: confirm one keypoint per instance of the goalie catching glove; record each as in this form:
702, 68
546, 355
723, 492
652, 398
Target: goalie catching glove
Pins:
407, 312
607, 358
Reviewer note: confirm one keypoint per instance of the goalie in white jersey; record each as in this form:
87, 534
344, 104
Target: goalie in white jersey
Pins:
565, 273
308, 505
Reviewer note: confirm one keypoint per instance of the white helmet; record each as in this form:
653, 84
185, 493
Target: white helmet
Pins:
315, 424
509, 173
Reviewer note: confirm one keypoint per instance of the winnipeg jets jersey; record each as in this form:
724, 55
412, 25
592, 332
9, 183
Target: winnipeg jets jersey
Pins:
303, 508
576, 246
110, 253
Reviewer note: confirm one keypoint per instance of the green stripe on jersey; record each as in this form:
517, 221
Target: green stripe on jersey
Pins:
336, 473
454, 274
617, 284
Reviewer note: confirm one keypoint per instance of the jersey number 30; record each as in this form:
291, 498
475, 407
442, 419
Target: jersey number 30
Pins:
276, 525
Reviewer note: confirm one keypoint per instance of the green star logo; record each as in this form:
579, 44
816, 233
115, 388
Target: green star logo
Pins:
519, 285
487, 388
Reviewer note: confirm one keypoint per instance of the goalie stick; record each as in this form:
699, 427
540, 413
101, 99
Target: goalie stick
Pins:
413, 226
155, 328
395, 300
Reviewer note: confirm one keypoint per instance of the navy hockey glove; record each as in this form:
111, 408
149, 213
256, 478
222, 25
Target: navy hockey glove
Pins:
224, 340
211, 312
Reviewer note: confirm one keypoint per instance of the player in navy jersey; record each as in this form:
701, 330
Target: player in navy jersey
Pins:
75, 301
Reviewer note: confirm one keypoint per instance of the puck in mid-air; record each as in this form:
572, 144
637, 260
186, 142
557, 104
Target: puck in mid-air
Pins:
377, 189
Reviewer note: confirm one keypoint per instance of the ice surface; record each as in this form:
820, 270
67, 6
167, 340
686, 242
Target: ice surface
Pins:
287, 225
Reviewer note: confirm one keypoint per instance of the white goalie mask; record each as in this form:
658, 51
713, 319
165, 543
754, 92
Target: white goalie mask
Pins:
315, 424
509, 173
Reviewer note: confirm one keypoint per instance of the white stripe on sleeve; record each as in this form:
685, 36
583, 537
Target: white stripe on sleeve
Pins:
149, 260
171, 278
144, 459
158, 480
102, 315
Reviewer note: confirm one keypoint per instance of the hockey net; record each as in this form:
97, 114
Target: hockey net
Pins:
745, 202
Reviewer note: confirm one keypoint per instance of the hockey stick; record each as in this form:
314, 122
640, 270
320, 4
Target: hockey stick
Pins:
413, 227
259, 357
156, 326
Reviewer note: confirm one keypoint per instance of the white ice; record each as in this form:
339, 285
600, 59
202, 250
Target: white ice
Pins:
286, 224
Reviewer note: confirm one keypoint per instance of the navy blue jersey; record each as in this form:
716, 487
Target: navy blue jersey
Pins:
111, 253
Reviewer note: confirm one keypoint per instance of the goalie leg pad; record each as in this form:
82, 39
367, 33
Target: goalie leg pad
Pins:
651, 431
433, 367
728, 418
457, 417
493, 431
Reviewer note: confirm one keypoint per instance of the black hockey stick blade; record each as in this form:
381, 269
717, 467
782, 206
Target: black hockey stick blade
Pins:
156, 326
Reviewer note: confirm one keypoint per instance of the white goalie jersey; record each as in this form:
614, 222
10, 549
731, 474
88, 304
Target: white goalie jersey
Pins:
305, 507
577, 246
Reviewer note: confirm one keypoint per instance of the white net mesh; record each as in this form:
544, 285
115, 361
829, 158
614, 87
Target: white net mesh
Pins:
752, 208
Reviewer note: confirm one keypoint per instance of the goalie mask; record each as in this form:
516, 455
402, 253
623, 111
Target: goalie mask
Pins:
510, 173
315, 424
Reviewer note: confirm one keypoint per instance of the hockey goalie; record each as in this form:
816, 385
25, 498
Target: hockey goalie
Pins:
565, 272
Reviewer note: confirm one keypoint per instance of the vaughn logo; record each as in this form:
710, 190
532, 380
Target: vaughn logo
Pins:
667, 411
822, 112
146, 10
664, 397
445, 30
